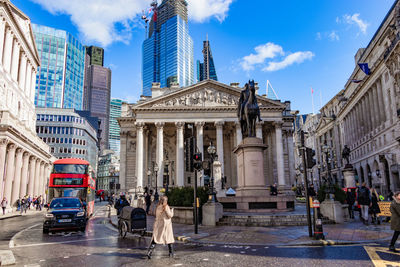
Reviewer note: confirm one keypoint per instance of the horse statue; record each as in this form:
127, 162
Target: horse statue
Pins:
248, 110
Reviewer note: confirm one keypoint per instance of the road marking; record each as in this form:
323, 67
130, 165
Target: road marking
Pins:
265, 247
205, 259
65, 242
177, 264
227, 255
42, 260
254, 249
242, 252
66, 257
11, 244
88, 254
376, 259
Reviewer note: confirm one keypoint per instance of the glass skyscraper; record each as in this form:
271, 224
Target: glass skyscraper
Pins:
168, 51
114, 136
206, 70
60, 78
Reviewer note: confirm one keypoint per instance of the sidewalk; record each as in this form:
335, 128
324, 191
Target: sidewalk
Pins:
346, 233
15, 213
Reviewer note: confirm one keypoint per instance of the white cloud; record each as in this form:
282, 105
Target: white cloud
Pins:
201, 10
297, 57
105, 21
333, 36
355, 19
268, 50
318, 36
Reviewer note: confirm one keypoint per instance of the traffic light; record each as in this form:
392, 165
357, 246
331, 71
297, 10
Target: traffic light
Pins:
190, 149
311, 162
197, 161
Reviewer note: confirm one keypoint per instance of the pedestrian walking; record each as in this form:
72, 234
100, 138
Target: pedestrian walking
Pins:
18, 204
395, 221
23, 205
29, 202
364, 200
375, 206
4, 203
311, 191
162, 229
121, 203
147, 199
350, 199
273, 190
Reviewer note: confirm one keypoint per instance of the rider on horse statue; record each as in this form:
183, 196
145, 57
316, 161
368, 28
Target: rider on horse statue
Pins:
248, 110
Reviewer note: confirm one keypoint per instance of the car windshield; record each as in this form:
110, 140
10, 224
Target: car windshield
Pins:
70, 168
65, 203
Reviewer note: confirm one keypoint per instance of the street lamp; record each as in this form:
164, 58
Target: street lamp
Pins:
330, 189
156, 193
212, 152
166, 173
148, 179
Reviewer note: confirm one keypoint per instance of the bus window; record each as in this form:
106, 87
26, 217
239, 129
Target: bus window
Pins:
70, 168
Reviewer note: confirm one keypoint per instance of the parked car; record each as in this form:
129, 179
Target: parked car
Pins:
65, 213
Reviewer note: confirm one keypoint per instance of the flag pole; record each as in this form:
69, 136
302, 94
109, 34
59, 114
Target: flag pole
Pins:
312, 101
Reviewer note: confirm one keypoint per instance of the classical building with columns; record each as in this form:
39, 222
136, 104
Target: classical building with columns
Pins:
154, 130
25, 161
365, 114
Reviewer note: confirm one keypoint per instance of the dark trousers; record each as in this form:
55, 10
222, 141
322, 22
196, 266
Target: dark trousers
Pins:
394, 238
153, 245
351, 211
147, 208
4, 210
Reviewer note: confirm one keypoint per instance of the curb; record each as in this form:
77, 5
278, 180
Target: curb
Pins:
6, 258
8, 217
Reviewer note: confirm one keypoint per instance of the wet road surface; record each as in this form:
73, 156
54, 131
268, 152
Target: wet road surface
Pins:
101, 246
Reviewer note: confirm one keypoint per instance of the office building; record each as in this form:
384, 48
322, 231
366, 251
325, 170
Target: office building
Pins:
108, 172
168, 50
60, 78
114, 135
25, 160
96, 55
97, 93
69, 133
206, 70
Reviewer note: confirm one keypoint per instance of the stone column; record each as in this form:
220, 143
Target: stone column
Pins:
259, 126
200, 147
22, 73
36, 178
180, 172
2, 36
15, 60
279, 154
382, 117
8, 44
220, 144
24, 175
41, 179
10, 170
139, 154
160, 152
28, 80
123, 165
33, 85
292, 173
31, 182
17, 177
386, 111
3, 153
375, 106
239, 136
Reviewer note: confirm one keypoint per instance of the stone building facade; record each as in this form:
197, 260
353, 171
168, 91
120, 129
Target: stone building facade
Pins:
365, 114
25, 161
154, 130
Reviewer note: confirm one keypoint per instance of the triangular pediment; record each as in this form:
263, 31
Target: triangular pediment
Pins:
22, 24
207, 94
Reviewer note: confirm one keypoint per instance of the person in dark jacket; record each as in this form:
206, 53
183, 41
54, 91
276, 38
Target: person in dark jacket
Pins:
375, 206
120, 203
395, 221
274, 190
311, 191
364, 200
350, 199
147, 199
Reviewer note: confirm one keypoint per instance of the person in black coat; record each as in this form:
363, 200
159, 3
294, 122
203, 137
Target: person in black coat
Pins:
311, 191
375, 206
121, 203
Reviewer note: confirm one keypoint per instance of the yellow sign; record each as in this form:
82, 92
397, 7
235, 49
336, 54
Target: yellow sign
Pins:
89, 190
384, 206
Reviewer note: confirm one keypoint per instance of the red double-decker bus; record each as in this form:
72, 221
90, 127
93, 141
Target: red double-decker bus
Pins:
73, 178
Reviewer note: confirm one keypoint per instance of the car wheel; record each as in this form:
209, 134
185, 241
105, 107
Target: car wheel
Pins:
45, 230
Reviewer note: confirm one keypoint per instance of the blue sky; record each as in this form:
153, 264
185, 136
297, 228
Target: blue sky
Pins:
294, 44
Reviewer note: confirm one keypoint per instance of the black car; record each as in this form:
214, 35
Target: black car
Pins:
65, 213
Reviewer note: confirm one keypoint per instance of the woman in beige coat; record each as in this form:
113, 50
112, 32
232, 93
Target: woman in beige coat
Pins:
162, 229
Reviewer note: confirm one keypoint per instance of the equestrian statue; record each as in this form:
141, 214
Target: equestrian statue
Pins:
248, 110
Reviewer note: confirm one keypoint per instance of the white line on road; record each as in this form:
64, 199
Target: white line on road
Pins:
177, 264
65, 242
11, 243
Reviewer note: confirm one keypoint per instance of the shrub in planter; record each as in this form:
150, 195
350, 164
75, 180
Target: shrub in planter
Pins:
183, 196
340, 195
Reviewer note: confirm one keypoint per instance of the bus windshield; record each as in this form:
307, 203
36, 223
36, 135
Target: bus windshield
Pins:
65, 203
70, 168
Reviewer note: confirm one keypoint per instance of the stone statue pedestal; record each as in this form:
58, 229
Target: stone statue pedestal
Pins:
252, 194
212, 212
349, 176
333, 210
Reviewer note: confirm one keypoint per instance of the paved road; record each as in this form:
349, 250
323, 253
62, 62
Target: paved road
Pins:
100, 246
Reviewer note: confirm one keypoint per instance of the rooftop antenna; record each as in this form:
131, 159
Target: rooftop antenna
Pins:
271, 94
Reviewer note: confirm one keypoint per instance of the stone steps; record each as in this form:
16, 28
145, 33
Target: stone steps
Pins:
266, 220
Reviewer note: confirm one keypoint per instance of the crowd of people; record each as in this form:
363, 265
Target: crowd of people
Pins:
24, 203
